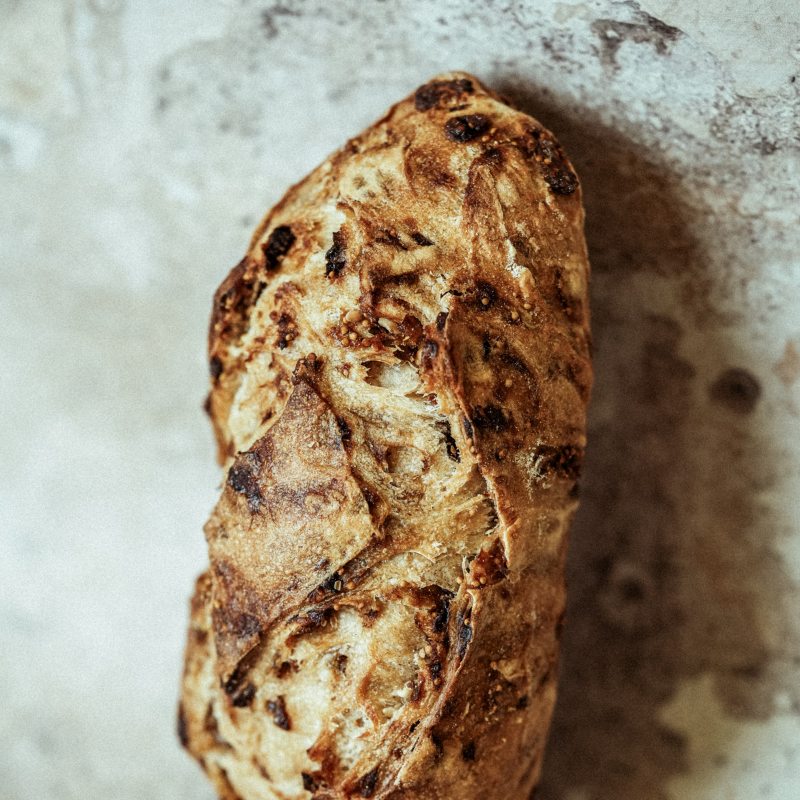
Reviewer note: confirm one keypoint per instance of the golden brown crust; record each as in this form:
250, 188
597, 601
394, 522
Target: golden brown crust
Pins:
400, 370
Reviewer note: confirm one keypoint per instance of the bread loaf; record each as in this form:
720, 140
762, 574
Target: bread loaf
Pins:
400, 369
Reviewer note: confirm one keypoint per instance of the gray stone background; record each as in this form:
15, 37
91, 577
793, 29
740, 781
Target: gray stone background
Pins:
141, 141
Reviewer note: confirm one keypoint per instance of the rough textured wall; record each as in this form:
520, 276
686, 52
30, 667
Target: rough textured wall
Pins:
139, 144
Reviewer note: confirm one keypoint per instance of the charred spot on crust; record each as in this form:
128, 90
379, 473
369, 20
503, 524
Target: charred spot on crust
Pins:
544, 149
411, 330
390, 238
183, 733
287, 330
340, 662
240, 690
306, 369
331, 585
243, 479
215, 368
442, 617
435, 671
465, 129
237, 294
416, 693
236, 617
463, 631
737, 390
344, 429
428, 353
431, 94
372, 498
322, 751
452, 448
287, 667
422, 241
315, 618
280, 716
493, 157
367, 784
512, 361
468, 752
438, 744
211, 727
489, 566
309, 784
521, 247
468, 428
336, 257
277, 246
441, 319
558, 462
486, 295
242, 696
522, 702
489, 418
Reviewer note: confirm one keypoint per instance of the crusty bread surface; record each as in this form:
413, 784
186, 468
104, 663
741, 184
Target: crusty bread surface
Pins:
400, 369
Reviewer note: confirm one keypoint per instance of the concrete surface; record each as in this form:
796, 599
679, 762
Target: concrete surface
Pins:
139, 144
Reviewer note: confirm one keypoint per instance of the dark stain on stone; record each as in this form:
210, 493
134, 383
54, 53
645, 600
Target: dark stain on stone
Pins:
626, 598
268, 18
612, 33
737, 390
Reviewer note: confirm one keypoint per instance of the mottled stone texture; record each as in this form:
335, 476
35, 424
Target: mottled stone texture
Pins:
139, 144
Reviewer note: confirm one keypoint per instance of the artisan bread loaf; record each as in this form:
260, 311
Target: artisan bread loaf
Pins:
400, 369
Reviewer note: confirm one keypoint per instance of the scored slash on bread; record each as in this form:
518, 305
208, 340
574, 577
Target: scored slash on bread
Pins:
400, 370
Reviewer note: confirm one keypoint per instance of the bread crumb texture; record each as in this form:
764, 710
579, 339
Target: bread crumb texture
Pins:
400, 369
